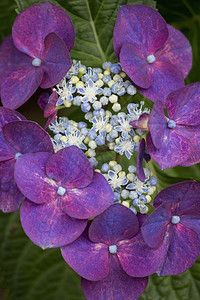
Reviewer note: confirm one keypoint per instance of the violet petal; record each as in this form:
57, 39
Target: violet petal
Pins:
116, 223
177, 50
140, 171
87, 202
20, 85
11, 58
137, 259
135, 65
88, 259
186, 192
30, 173
70, 167
140, 25
142, 122
33, 24
116, 286
27, 136
174, 151
154, 228
158, 125
8, 115
47, 226
183, 251
183, 105
6, 152
10, 195
166, 79
55, 62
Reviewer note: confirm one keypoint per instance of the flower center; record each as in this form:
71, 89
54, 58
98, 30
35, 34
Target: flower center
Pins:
17, 155
36, 62
151, 58
171, 124
113, 249
61, 191
175, 219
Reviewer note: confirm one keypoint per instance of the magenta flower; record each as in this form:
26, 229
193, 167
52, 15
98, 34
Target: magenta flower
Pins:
156, 56
174, 141
37, 54
68, 193
111, 256
175, 222
17, 138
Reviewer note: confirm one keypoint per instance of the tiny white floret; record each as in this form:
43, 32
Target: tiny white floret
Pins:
17, 155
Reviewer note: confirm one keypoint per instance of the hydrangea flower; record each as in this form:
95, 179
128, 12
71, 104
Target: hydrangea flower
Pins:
37, 53
156, 56
142, 154
17, 138
68, 193
111, 256
176, 220
174, 141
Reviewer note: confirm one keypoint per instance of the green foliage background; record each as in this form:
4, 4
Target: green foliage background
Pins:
26, 271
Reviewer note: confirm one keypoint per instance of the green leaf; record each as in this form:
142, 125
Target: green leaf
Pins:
185, 16
94, 22
30, 273
7, 16
180, 287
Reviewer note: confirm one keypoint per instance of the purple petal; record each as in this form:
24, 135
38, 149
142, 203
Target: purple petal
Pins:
9, 115
30, 173
85, 203
47, 226
183, 105
135, 65
166, 79
43, 100
20, 85
11, 58
185, 192
70, 167
140, 25
27, 136
6, 152
116, 286
177, 50
142, 122
50, 119
154, 228
137, 259
140, 171
183, 251
33, 24
89, 260
10, 195
116, 223
51, 105
55, 62
158, 125
174, 151
192, 222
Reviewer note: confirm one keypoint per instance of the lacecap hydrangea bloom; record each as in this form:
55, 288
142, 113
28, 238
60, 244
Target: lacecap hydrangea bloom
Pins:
156, 56
37, 53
